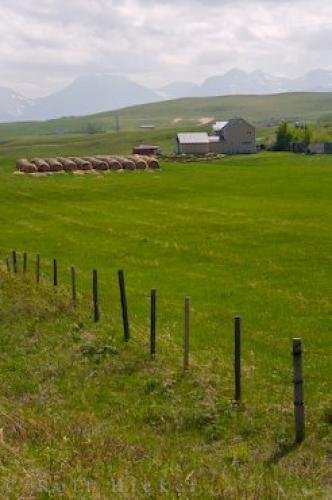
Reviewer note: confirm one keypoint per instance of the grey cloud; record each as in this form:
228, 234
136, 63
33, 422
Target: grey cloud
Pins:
157, 40
318, 40
216, 58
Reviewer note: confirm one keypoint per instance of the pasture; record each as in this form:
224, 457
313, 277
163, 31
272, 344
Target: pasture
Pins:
248, 235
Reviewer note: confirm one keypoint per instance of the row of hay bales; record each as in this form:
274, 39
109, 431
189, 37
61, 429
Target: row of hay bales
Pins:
99, 163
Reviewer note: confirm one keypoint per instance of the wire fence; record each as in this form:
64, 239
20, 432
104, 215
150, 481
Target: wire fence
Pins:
18, 264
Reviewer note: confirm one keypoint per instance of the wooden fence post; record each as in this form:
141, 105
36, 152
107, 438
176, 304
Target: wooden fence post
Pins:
14, 261
298, 391
25, 263
124, 305
186, 333
237, 357
96, 312
38, 268
55, 272
73, 285
153, 323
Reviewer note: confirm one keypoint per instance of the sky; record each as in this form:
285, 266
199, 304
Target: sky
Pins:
45, 44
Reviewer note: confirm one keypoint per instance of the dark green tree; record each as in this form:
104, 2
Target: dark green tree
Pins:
307, 135
93, 128
284, 137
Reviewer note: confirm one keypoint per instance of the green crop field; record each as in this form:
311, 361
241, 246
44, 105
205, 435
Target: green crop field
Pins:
85, 416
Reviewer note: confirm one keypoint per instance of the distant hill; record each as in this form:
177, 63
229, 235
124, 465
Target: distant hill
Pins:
13, 106
92, 94
237, 81
317, 81
263, 110
85, 95
176, 90
241, 82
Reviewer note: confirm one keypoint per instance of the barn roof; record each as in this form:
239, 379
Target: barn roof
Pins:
193, 138
233, 122
214, 138
218, 126
146, 146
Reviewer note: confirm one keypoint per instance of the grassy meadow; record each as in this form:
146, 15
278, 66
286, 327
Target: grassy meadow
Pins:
85, 416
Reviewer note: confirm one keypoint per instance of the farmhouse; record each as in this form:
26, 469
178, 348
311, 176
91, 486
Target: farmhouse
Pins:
234, 136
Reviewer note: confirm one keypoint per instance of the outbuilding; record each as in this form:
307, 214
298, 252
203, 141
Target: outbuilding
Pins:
192, 143
313, 148
146, 150
320, 148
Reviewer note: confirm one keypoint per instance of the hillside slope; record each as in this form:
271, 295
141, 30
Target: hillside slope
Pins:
188, 112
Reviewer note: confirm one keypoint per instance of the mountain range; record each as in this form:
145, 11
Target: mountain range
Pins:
239, 82
98, 93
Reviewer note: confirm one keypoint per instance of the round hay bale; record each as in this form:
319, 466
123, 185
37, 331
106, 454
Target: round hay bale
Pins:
152, 162
128, 164
67, 164
113, 163
109, 160
81, 164
26, 166
41, 164
125, 163
140, 162
55, 165
96, 163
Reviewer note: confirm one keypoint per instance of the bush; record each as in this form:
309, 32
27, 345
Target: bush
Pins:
287, 133
284, 137
92, 128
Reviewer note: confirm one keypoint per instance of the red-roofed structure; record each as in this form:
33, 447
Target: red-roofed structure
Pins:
146, 150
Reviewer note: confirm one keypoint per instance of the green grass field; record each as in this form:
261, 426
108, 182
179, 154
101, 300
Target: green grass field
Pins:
248, 235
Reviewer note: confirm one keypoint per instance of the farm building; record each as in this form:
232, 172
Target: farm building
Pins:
298, 147
234, 136
312, 148
146, 150
193, 143
147, 127
320, 148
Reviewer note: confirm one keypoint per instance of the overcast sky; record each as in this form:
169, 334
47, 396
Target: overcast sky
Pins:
44, 44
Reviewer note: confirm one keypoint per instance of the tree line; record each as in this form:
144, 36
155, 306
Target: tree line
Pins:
305, 134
